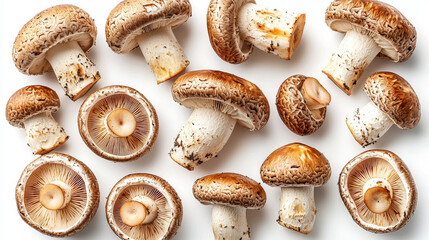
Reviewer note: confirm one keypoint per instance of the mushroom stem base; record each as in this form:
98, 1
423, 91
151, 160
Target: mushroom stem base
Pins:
230, 223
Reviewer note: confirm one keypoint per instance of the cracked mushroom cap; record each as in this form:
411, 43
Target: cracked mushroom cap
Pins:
297, 165
385, 24
379, 164
169, 205
83, 202
57, 24
131, 18
229, 189
235, 96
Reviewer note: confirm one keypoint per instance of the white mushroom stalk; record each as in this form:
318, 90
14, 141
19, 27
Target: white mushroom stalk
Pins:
378, 195
230, 222
140, 210
314, 94
55, 195
121, 123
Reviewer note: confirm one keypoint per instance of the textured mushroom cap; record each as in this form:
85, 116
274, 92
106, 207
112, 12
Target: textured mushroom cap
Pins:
404, 190
293, 110
295, 164
131, 18
69, 220
233, 95
385, 24
57, 24
229, 189
394, 96
29, 101
223, 30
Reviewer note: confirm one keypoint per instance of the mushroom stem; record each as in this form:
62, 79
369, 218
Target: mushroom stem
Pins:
203, 136
121, 122
271, 30
347, 64
297, 208
368, 124
74, 71
378, 195
230, 223
139, 210
163, 53
314, 94
55, 195
43, 133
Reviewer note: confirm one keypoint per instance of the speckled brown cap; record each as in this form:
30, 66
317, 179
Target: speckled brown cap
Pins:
57, 24
295, 164
394, 96
385, 24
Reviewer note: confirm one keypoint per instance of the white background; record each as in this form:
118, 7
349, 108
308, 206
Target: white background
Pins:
245, 151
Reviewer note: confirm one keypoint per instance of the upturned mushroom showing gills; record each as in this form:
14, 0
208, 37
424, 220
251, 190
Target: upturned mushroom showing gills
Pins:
144, 206
230, 194
378, 190
118, 123
393, 101
31, 108
148, 24
372, 28
57, 39
302, 103
219, 100
234, 27
297, 169
57, 195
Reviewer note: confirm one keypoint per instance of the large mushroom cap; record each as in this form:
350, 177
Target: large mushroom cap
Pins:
233, 95
169, 205
83, 202
131, 18
296, 164
29, 101
57, 24
387, 166
394, 96
385, 24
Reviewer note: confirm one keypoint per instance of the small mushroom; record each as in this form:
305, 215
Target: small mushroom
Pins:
378, 191
144, 206
57, 195
148, 24
297, 169
219, 100
393, 101
118, 123
234, 27
31, 108
301, 103
57, 39
230, 194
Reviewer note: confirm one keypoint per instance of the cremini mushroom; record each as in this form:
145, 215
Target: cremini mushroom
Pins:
301, 103
144, 206
31, 108
234, 27
372, 28
148, 25
57, 39
378, 190
118, 123
57, 195
297, 169
392, 101
230, 194
219, 100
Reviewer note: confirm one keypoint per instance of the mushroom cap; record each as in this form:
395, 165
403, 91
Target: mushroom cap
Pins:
29, 101
394, 96
224, 35
378, 164
170, 210
385, 24
295, 164
83, 204
293, 110
57, 24
93, 130
131, 18
229, 189
235, 96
